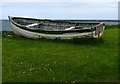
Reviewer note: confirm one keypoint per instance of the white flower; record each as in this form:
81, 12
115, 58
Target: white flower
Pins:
23, 72
73, 81
31, 69
50, 69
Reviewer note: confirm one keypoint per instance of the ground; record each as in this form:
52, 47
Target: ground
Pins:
76, 60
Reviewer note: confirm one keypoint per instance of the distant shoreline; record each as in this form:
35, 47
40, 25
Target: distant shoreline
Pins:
78, 20
5, 25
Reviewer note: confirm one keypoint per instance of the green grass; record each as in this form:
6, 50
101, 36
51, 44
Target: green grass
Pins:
0, 58
77, 60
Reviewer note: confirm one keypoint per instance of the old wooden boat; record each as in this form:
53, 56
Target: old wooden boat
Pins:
54, 29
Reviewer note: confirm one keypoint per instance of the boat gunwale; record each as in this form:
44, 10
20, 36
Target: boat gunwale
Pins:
66, 21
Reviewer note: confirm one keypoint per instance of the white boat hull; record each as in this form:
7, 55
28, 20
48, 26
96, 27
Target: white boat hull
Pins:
34, 35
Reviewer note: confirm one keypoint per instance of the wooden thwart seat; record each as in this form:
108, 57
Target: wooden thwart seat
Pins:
30, 25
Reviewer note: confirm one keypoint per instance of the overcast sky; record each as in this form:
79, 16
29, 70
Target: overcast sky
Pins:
61, 9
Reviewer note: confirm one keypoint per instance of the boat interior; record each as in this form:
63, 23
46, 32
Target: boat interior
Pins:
53, 25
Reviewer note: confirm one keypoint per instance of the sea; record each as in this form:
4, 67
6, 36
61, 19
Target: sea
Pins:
5, 25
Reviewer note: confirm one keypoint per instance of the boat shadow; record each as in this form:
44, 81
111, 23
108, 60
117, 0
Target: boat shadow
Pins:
79, 41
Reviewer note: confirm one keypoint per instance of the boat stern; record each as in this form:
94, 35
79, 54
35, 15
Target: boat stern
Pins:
99, 30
